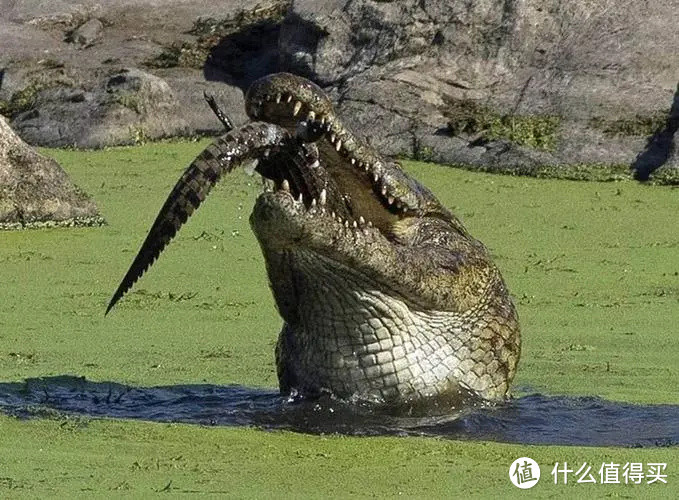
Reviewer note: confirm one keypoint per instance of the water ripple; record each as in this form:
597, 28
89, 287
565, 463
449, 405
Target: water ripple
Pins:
533, 419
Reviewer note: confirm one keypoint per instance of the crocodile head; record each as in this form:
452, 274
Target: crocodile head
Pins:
384, 293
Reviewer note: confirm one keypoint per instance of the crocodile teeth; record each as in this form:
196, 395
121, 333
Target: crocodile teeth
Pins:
353, 161
300, 199
390, 200
333, 215
361, 220
316, 164
338, 145
322, 198
267, 152
332, 138
295, 110
285, 185
289, 99
370, 224
346, 223
311, 116
376, 177
278, 98
355, 224
313, 203
384, 190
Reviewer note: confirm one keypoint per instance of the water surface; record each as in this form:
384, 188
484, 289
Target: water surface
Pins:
532, 419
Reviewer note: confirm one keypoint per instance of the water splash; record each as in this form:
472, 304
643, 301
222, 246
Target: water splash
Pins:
534, 419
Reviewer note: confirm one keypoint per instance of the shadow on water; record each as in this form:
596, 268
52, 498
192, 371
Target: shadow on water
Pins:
534, 419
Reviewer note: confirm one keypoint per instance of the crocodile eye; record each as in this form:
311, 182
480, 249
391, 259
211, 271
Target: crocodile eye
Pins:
309, 131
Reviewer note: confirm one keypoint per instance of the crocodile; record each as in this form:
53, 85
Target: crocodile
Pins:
384, 295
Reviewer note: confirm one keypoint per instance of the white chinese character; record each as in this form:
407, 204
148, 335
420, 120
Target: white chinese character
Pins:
587, 472
565, 471
609, 473
633, 472
655, 472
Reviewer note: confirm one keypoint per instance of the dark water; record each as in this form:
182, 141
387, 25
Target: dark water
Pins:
534, 419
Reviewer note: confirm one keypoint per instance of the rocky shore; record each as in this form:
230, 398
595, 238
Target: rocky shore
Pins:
497, 85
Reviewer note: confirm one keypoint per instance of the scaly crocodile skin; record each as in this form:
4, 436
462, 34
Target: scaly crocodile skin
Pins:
384, 294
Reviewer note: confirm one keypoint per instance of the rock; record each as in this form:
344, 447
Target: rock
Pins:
127, 107
55, 96
34, 189
402, 67
188, 85
45, 14
86, 34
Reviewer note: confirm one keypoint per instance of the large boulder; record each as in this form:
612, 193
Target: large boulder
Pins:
494, 81
91, 74
127, 107
35, 190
